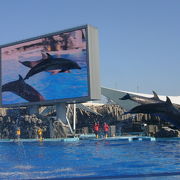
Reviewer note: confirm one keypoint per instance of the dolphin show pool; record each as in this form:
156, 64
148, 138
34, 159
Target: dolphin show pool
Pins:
111, 158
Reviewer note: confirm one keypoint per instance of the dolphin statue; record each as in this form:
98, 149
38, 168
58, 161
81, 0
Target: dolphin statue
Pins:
141, 99
166, 109
160, 107
145, 100
22, 89
56, 65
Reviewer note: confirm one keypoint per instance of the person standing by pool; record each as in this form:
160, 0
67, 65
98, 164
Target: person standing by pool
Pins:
40, 134
106, 129
96, 128
18, 133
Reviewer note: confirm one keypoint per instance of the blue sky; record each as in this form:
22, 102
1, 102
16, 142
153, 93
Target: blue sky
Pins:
139, 39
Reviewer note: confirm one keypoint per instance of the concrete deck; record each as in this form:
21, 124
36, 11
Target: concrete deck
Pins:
92, 137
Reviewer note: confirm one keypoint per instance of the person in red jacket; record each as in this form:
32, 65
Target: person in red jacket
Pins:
96, 128
106, 129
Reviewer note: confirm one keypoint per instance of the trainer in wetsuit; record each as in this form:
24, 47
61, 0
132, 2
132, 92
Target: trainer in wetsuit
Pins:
96, 128
106, 129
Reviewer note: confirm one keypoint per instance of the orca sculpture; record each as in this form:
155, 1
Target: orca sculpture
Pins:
141, 99
144, 100
162, 108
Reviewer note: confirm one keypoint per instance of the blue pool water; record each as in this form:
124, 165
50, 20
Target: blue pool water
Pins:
86, 159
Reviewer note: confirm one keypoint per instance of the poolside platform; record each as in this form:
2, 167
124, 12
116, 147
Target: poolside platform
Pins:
124, 138
92, 137
44, 140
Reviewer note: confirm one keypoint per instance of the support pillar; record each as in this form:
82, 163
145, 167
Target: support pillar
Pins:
74, 118
61, 112
51, 128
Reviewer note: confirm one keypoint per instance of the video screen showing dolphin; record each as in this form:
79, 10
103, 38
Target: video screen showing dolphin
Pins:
54, 67
22, 89
31, 64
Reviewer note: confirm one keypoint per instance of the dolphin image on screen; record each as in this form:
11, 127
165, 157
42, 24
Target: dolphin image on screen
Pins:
31, 64
56, 65
162, 108
141, 99
22, 89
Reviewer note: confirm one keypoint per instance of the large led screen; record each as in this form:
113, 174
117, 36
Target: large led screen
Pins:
48, 68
